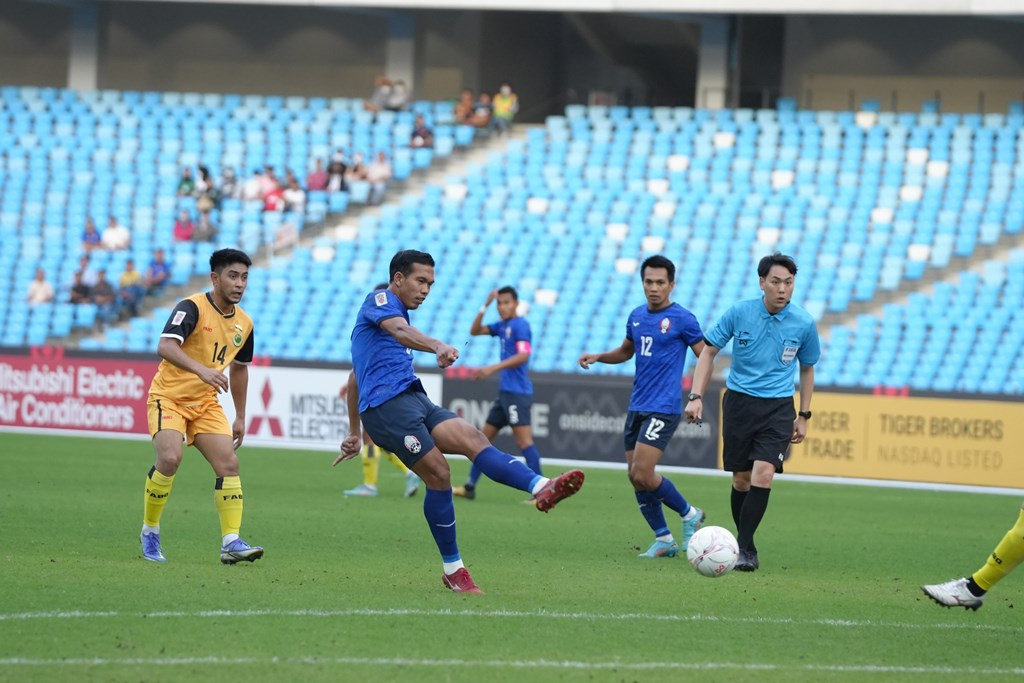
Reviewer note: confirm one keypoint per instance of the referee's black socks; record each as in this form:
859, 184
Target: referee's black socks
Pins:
750, 515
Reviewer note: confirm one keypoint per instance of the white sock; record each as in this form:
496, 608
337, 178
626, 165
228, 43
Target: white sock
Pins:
228, 538
541, 483
690, 514
667, 538
146, 529
452, 567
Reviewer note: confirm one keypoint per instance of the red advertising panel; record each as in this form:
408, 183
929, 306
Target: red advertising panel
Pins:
88, 394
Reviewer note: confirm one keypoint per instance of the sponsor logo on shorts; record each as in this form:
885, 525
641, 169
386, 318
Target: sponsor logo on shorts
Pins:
412, 444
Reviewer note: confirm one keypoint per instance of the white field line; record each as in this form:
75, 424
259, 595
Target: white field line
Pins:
510, 614
507, 664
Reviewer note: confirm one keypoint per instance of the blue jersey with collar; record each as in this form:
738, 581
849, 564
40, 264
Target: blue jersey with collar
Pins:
383, 366
514, 336
765, 346
661, 340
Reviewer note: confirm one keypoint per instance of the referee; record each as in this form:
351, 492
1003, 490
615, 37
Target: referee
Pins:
758, 420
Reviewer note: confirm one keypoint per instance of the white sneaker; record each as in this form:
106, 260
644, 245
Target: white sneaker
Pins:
953, 594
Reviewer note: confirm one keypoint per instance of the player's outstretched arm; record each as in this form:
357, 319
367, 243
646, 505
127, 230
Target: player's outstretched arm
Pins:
170, 350
352, 443
615, 356
411, 338
478, 329
239, 388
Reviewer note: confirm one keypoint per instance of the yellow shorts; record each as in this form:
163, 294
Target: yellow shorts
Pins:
205, 417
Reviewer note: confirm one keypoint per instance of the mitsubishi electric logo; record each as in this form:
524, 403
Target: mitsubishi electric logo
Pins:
257, 420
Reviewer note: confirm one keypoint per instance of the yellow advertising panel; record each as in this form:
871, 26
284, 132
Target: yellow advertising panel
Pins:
913, 439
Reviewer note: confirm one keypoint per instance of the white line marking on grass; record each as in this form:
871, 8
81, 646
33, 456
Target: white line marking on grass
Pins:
504, 664
513, 614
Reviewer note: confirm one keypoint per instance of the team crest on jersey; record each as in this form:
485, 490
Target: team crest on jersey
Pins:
237, 339
380, 298
665, 324
412, 444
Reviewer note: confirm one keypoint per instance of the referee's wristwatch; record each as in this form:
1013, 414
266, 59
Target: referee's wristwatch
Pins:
805, 414
693, 397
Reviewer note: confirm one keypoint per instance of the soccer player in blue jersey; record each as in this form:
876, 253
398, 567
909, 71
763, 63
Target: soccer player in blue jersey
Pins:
396, 412
758, 419
515, 391
658, 334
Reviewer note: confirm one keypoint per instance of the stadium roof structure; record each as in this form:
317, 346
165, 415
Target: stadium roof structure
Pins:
994, 8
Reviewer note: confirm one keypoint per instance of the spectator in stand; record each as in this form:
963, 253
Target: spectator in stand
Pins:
79, 290
187, 184
40, 291
273, 199
206, 231
229, 188
252, 191
87, 272
336, 173
116, 237
421, 135
398, 98
316, 181
464, 107
184, 228
505, 105
294, 197
378, 173
91, 237
206, 190
132, 290
481, 117
269, 182
105, 298
379, 99
158, 273
357, 170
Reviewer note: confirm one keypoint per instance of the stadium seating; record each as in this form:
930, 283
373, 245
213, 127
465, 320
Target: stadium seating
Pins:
66, 156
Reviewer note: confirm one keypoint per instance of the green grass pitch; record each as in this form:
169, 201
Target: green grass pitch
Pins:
350, 589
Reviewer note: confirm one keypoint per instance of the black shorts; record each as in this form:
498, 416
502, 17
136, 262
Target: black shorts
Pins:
510, 409
652, 429
755, 429
403, 424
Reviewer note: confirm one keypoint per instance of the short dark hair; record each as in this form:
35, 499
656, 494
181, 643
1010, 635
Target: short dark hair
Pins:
222, 258
776, 259
658, 261
403, 261
509, 289
380, 285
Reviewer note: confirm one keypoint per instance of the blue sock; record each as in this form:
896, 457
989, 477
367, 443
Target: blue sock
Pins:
474, 475
668, 494
504, 469
532, 456
440, 514
650, 508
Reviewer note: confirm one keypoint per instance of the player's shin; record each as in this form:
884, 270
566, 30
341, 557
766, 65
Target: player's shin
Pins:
1007, 555
227, 496
507, 470
158, 489
440, 513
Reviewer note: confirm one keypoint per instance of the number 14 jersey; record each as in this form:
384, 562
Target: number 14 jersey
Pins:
207, 336
661, 340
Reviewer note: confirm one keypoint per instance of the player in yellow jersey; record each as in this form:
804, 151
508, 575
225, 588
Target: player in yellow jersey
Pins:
205, 334
969, 591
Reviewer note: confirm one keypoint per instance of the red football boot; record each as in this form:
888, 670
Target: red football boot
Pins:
559, 488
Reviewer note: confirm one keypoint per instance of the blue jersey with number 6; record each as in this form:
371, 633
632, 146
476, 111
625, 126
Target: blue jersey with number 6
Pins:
661, 340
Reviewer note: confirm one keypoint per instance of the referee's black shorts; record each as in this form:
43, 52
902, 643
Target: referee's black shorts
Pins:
755, 429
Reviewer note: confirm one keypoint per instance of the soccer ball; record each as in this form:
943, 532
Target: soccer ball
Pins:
713, 551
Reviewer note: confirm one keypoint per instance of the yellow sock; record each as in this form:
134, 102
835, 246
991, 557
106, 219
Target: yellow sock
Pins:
371, 465
158, 488
396, 461
227, 495
1007, 555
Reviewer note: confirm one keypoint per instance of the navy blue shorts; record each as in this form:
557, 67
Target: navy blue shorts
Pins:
652, 429
510, 409
403, 424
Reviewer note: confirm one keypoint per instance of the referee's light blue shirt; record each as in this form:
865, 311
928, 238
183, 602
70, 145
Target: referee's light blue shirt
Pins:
765, 347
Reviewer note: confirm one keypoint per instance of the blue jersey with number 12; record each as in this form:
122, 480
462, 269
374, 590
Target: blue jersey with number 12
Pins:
661, 340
